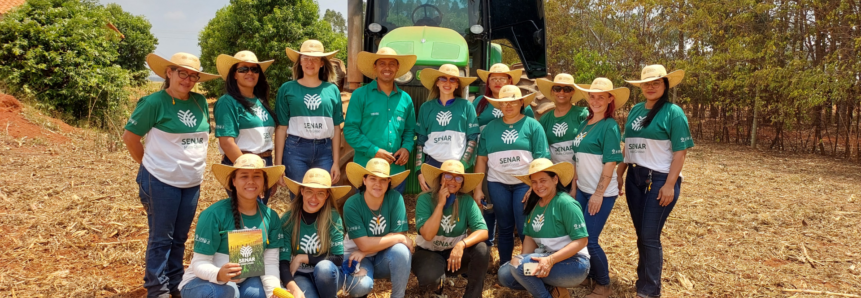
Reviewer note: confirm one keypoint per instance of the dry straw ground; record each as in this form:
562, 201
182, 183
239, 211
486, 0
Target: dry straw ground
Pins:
748, 224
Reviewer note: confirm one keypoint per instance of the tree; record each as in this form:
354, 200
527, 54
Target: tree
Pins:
267, 28
62, 53
336, 19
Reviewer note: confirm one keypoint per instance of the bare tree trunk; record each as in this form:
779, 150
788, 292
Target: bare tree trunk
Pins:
817, 123
753, 124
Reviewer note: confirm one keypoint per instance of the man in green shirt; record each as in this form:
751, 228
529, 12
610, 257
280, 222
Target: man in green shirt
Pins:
381, 119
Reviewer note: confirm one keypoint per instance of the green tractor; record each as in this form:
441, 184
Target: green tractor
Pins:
459, 32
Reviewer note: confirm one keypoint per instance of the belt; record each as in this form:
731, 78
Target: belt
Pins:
267, 153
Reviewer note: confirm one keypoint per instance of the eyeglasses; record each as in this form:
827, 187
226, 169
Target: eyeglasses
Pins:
310, 59
447, 176
498, 80
185, 75
566, 89
245, 69
653, 84
447, 80
320, 193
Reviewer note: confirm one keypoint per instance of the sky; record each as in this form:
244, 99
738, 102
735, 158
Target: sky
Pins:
176, 23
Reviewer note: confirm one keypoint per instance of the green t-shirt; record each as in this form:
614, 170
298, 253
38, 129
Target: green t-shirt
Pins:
511, 147
556, 225
560, 132
252, 131
452, 227
210, 235
308, 241
653, 146
176, 136
491, 113
446, 128
361, 221
594, 146
376, 120
309, 113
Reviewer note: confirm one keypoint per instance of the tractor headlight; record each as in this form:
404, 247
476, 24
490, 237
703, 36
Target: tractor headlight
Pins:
476, 29
374, 27
406, 78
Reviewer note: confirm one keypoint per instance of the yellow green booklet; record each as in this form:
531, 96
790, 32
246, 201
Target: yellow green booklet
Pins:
246, 249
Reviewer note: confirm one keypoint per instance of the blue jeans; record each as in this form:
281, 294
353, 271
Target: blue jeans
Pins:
169, 213
600, 270
251, 287
649, 219
489, 216
392, 263
509, 214
567, 274
302, 154
323, 282
268, 160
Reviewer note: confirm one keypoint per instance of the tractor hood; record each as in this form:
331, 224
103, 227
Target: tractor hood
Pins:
434, 46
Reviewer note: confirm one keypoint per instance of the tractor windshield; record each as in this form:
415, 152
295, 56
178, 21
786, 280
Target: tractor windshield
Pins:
457, 15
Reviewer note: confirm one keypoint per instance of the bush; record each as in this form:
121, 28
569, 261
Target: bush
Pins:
62, 54
265, 27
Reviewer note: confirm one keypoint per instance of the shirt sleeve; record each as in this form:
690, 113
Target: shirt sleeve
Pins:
482, 143
612, 150
408, 137
353, 127
274, 227
399, 213
472, 121
423, 210
226, 118
472, 214
572, 220
144, 117
207, 236
680, 131
528, 112
282, 108
353, 218
337, 106
336, 235
540, 149
421, 125
286, 235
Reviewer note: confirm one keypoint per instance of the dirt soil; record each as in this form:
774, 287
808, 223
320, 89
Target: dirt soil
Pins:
748, 224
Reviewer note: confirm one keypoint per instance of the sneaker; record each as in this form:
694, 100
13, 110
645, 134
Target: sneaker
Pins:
560, 292
600, 292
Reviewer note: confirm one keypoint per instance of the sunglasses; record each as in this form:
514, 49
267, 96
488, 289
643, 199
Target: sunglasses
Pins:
447, 80
245, 69
447, 176
185, 75
566, 89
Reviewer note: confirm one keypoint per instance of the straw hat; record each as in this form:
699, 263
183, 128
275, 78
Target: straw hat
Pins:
500, 68
430, 75
565, 170
311, 47
657, 71
182, 60
470, 180
366, 61
545, 86
377, 167
224, 62
605, 85
320, 179
247, 161
511, 93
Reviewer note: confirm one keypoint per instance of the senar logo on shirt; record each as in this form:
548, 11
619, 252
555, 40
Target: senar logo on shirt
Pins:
637, 124
559, 129
187, 118
313, 101
579, 138
445, 138
259, 112
378, 224
447, 223
310, 244
443, 118
509, 136
497, 113
538, 222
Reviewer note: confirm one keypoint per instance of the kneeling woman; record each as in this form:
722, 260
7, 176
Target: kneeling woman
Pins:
313, 235
376, 245
442, 217
211, 274
556, 235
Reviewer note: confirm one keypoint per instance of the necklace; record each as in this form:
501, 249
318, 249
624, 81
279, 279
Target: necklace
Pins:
262, 222
591, 128
542, 213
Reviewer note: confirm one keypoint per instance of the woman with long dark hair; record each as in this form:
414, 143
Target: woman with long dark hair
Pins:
244, 122
596, 152
446, 127
555, 235
211, 274
309, 114
656, 137
175, 123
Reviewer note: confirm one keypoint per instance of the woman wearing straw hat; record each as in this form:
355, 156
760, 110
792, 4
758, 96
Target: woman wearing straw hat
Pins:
443, 215
381, 119
555, 235
505, 148
175, 123
243, 118
596, 152
376, 244
657, 137
446, 128
314, 235
561, 125
309, 114
211, 274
